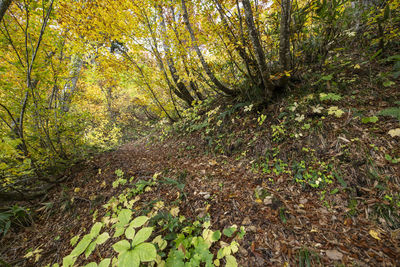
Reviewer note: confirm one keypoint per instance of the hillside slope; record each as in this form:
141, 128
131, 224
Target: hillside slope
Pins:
313, 179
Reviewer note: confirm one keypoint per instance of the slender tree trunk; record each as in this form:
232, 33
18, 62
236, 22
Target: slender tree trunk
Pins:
193, 85
258, 50
284, 43
186, 96
233, 39
70, 87
148, 85
4, 5
207, 69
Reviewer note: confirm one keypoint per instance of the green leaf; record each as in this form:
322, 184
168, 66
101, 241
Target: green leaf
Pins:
231, 261
139, 221
90, 249
229, 231
119, 231
146, 251
216, 236
388, 83
92, 264
130, 232
334, 191
102, 238
74, 240
327, 77
96, 229
121, 246
222, 252
175, 259
105, 263
142, 235
129, 258
125, 216
69, 261
372, 119
82, 245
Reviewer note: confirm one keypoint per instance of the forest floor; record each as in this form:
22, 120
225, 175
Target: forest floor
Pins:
287, 223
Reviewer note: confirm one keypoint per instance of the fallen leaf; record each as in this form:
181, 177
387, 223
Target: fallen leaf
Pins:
246, 221
394, 132
213, 162
334, 255
303, 201
374, 234
174, 211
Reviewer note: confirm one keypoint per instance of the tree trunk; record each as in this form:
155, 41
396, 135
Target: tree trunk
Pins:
4, 5
70, 87
258, 50
186, 96
284, 42
193, 85
207, 69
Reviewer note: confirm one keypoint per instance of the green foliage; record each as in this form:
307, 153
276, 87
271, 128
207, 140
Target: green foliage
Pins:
278, 133
120, 180
307, 258
392, 112
87, 244
372, 119
13, 215
335, 111
329, 97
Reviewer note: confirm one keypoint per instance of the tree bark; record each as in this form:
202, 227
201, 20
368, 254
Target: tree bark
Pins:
218, 83
284, 42
4, 5
186, 96
258, 50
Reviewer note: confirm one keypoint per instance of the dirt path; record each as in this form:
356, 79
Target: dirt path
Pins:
288, 222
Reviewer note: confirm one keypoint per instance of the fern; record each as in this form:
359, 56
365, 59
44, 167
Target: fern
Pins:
392, 112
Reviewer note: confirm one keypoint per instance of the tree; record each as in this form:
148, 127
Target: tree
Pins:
4, 5
218, 83
258, 51
284, 39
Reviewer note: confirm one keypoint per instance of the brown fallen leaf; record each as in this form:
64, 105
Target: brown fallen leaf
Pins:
334, 255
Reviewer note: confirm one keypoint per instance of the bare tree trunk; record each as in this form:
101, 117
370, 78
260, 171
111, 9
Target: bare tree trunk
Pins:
259, 53
4, 5
207, 69
70, 87
284, 42
186, 96
147, 85
234, 39
193, 84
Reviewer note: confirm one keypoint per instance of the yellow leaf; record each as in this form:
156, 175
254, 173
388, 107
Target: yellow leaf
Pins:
374, 234
259, 201
394, 132
28, 255
174, 211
